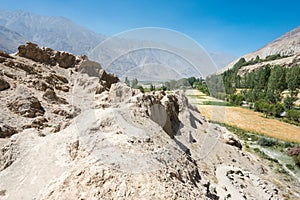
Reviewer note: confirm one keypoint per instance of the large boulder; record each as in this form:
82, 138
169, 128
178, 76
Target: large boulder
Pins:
230, 139
4, 85
64, 59
120, 92
89, 67
107, 79
94, 69
33, 52
27, 107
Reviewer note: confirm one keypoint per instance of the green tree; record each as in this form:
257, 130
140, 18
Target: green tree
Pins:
141, 88
203, 88
262, 78
134, 83
272, 96
240, 63
164, 88
294, 115
293, 80
289, 102
277, 80
257, 59
192, 80
152, 87
237, 99
127, 81
277, 109
263, 106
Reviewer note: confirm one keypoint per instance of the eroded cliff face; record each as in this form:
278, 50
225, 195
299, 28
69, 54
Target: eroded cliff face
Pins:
70, 130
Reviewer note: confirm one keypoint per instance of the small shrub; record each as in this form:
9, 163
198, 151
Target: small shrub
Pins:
237, 99
281, 170
141, 88
289, 166
294, 115
288, 144
267, 142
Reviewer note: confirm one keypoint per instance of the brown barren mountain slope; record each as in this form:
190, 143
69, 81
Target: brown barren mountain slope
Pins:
286, 45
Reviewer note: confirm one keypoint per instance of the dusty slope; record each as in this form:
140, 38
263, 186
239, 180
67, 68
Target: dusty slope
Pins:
104, 140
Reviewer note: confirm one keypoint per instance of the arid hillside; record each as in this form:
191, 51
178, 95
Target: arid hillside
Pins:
69, 130
287, 46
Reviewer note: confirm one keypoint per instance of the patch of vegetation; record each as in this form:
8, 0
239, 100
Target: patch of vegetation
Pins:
281, 170
237, 99
216, 103
263, 155
242, 134
197, 96
267, 142
288, 148
290, 167
262, 88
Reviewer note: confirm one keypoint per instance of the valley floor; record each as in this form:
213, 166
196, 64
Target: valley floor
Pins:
245, 119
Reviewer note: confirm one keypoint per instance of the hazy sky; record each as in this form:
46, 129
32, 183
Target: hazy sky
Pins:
233, 26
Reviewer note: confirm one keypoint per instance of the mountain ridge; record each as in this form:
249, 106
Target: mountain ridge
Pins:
287, 45
63, 34
55, 32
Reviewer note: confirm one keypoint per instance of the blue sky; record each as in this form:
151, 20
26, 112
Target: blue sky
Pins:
233, 26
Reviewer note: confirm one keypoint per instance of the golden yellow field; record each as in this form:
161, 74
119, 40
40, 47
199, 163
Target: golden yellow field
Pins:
250, 120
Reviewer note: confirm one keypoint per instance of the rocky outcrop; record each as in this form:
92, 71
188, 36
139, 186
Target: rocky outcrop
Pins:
160, 107
68, 113
107, 79
120, 92
47, 55
94, 69
5, 55
27, 107
89, 67
52, 98
6, 131
230, 139
8, 154
4, 85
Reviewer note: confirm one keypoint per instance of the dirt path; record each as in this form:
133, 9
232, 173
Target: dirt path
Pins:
248, 120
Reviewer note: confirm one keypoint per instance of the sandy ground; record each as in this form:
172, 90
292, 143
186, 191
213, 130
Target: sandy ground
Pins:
249, 120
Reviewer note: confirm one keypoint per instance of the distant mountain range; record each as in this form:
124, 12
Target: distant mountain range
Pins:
10, 40
54, 32
17, 27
